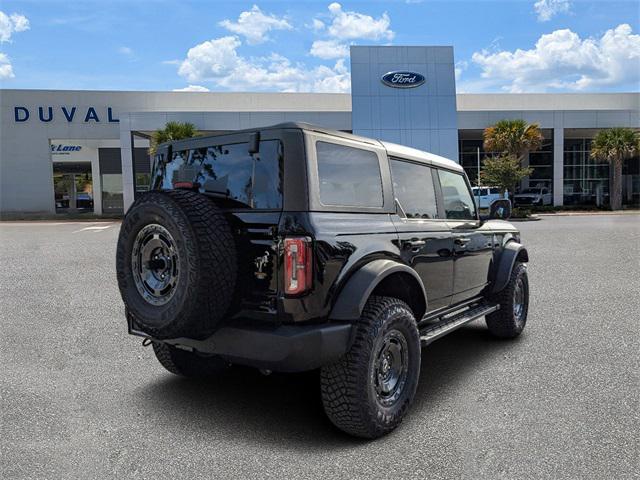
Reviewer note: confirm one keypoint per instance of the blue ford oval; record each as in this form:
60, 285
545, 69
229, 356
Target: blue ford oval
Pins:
402, 79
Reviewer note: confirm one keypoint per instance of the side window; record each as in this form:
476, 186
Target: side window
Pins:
495, 191
348, 176
458, 203
413, 187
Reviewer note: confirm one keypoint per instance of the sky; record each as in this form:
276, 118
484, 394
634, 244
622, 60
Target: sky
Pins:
161, 45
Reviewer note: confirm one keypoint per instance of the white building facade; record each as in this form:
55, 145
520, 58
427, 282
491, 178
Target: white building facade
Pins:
86, 151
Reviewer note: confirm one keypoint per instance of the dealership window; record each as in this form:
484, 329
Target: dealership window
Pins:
541, 161
73, 187
142, 169
586, 181
111, 180
348, 176
413, 187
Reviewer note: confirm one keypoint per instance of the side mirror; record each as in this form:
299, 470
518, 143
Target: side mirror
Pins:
254, 143
500, 209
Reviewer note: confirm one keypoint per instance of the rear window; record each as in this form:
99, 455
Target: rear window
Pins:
249, 181
348, 176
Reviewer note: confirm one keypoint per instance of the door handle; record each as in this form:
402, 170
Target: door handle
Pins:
414, 244
461, 241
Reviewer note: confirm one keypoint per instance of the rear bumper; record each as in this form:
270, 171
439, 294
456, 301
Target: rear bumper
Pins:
284, 348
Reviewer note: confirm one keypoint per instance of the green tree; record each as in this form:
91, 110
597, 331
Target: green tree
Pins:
514, 138
172, 131
615, 145
503, 171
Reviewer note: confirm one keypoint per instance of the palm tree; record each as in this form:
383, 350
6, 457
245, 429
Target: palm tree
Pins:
515, 138
615, 145
172, 131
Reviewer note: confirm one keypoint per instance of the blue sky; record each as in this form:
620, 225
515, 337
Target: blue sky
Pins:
500, 46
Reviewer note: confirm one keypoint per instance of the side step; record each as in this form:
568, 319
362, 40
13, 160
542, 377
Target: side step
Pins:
448, 324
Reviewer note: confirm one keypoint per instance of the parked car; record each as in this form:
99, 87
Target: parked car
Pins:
84, 200
534, 196
295, 247
485, 196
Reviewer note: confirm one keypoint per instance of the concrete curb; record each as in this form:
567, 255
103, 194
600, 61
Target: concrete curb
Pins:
569, 214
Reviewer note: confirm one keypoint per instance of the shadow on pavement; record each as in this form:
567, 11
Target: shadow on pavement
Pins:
287, 409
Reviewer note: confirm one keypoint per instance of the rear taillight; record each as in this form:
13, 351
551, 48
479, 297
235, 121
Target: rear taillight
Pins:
297, 265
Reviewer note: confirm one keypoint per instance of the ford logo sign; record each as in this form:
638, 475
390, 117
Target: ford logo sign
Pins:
402, 79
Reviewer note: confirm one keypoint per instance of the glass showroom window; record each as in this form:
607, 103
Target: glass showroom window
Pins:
541, 161
586, 181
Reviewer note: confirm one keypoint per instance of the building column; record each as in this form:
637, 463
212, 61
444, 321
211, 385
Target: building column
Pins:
558, 166
126, 158
96, 180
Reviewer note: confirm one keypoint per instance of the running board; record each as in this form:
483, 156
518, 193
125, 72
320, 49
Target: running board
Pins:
450, 323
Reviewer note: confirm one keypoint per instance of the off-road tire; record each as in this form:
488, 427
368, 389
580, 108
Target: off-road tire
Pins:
188, 364
207, 264
504, 323
348, 385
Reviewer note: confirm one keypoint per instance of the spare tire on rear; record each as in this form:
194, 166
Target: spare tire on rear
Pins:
176, 264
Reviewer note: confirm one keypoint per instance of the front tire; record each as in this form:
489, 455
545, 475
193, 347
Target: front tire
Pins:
188, 364
511, 318
368, 391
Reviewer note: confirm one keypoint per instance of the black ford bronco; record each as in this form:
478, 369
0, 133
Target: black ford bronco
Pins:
294, 247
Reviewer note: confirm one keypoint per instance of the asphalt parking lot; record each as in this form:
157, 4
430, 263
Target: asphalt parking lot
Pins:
82, 399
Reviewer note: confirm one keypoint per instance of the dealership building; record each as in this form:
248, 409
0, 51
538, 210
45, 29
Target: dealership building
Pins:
78, 151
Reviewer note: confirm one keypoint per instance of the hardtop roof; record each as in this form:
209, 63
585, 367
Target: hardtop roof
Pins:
392, 149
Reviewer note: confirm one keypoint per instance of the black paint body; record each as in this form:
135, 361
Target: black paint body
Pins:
454, 260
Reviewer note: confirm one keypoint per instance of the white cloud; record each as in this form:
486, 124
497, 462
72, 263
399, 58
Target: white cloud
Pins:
317, 25
255, 24
347, 25
328, 49
127, 51
547, 9
561, 60
192, 88
218, 61
10, 24
6, 70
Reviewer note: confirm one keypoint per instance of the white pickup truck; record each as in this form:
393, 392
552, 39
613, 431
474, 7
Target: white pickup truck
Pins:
484, 196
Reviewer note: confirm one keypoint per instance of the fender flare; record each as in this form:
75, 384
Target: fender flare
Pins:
510, 252
354, 295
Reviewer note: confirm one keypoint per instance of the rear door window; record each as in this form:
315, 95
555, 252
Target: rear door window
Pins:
348, 176
458, 203
414, 189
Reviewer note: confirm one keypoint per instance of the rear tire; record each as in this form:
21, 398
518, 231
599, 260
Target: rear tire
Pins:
368, 391
188, 364
510, 320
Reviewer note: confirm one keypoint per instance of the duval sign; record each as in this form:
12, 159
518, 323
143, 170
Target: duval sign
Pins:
403, 79
47, 114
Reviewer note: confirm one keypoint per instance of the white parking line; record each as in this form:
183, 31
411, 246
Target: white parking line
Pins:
94, 228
